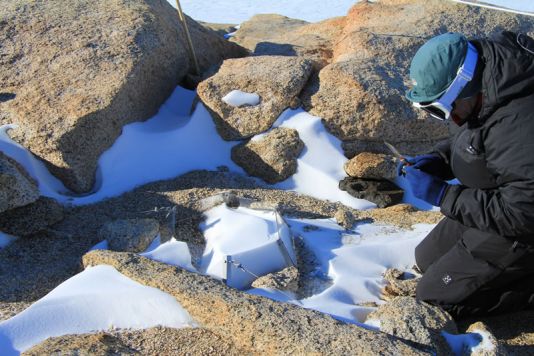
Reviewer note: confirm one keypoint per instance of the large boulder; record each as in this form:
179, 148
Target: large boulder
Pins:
411, 319
17, 188
361, 94
74, 72
263, 28
273, 157
270, 34
277, 80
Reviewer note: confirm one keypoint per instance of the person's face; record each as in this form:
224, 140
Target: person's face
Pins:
465, 108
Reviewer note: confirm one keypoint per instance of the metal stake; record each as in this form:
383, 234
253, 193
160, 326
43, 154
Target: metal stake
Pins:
189, 41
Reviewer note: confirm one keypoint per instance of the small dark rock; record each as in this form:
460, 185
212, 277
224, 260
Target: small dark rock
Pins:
381, 192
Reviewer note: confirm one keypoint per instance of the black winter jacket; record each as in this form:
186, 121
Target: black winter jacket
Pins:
493, 157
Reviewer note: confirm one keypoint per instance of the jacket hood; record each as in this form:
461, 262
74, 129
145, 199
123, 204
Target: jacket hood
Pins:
508, 70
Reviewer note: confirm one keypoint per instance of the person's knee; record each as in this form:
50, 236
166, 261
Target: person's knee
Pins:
422, 258
424, 290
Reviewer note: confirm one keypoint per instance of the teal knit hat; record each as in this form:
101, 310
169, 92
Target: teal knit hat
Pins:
435, 66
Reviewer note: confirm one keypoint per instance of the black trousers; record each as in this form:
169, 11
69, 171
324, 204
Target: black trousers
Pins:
470, 272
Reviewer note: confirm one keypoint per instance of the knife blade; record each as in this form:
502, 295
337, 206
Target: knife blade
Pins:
398, 156
395, 152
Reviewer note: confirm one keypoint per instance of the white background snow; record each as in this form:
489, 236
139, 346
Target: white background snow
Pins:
167, 146
237, 11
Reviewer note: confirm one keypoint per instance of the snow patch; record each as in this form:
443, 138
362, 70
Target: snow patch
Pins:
97, 299
320, 166
375, 324
353, 261
172, 252
239, 98
355, 269
485, 345
463, 344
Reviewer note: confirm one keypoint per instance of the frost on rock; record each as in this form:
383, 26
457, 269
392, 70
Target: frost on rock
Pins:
239, 98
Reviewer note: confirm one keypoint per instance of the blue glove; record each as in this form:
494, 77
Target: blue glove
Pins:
433, 164
408, 160
425, 186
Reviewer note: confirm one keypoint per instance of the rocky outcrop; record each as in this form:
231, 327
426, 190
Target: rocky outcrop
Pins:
253, 324
27, 271
368, 165
153, 341
414, 320
361, 94
32, 218
73, 73
277, 80
129, 235
366, 55
272, 157
270, 34
263, 28
17, 188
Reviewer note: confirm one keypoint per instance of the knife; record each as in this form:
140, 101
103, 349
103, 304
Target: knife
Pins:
398, 155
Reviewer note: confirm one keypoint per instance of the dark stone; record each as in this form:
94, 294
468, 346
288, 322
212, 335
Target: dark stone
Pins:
31, 218
381, 192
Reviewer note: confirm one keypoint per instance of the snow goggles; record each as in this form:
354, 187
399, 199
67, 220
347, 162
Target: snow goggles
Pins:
441, 108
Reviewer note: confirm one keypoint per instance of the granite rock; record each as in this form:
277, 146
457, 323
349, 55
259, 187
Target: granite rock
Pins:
130, 235
17, 188
272, 157
74, 72
277, 80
